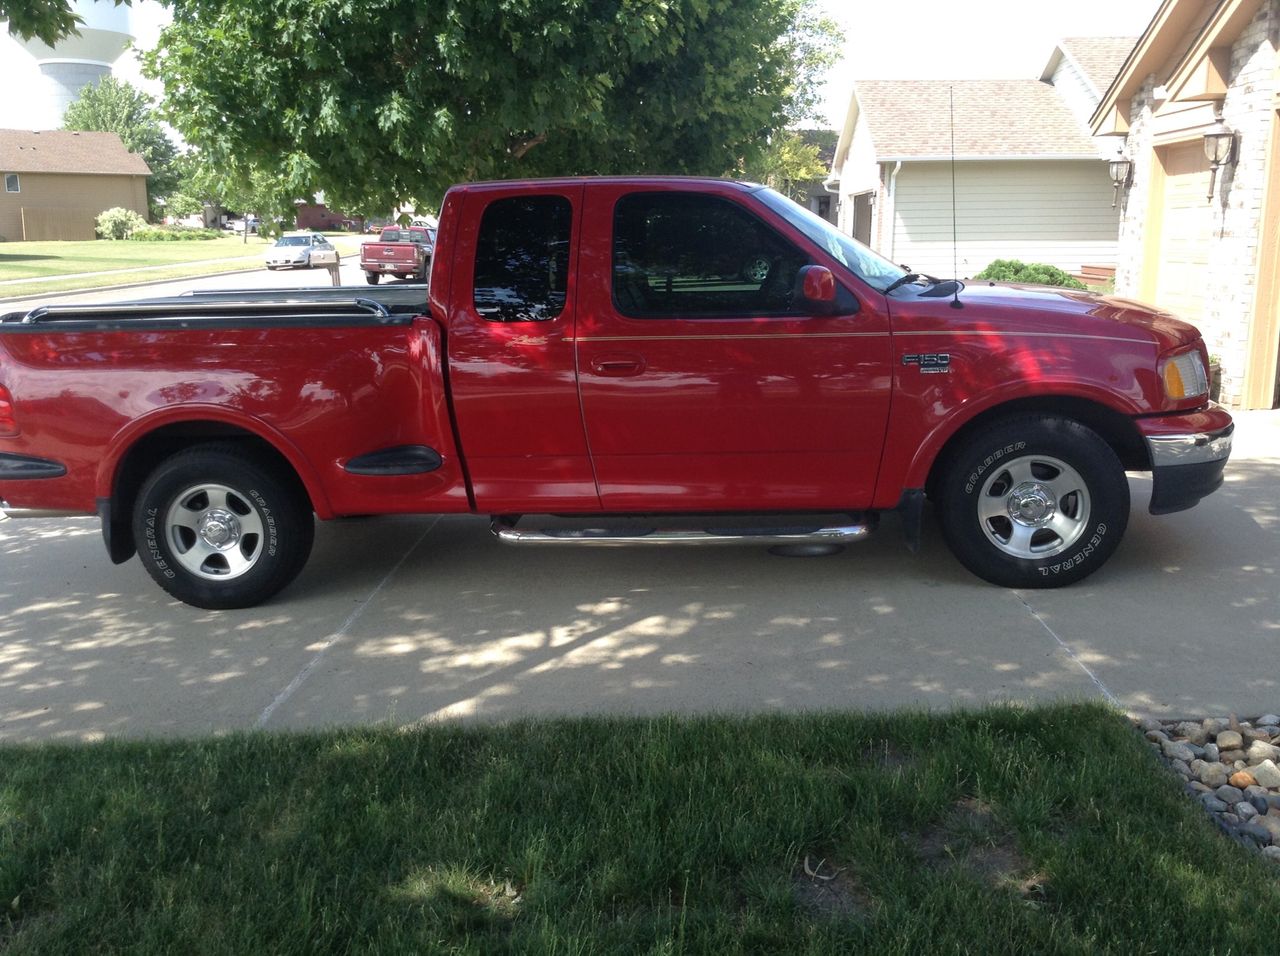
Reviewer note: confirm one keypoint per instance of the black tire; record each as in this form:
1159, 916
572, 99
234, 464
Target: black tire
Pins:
372, 278
218, 529
1034, 502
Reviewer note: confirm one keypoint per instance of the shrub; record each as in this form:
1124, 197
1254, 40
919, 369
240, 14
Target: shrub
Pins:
1036, 273
172, 234
119, 223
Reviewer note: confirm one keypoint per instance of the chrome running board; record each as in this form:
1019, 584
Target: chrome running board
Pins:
676, 531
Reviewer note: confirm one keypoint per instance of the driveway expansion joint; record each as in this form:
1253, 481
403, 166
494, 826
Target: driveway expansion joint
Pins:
340, 633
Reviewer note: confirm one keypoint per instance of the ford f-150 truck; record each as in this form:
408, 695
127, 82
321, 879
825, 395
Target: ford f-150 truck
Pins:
399, 252
604, 362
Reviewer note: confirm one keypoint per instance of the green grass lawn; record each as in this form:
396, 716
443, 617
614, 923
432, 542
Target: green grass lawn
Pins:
30, 260
1004, 831
47, 264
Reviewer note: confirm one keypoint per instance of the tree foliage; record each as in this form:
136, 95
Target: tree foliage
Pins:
378, 102
238, 186
114, 106
789, 163
47, 20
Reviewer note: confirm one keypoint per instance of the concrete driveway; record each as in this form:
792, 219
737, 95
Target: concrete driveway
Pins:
415, 619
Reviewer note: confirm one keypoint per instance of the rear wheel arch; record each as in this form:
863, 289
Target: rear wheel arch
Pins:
148, 451
219, 525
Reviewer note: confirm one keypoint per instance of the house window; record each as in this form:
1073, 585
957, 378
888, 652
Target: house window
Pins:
680, 255
11, 184
522, 259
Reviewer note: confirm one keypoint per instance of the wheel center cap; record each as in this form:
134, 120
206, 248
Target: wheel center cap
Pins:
1031, 503
219, 529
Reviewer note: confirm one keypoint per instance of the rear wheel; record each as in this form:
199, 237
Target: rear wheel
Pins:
372, 278
1034, 502
217, 528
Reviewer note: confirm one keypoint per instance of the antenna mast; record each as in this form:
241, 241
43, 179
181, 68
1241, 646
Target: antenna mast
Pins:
955, 233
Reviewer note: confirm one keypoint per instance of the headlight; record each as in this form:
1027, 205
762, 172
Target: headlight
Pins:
1184, 376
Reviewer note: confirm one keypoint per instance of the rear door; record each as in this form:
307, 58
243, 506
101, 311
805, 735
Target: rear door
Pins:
705, 385
512, 305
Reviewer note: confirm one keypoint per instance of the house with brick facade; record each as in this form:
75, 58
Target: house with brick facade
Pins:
1029, 178
56, 182
1199, 238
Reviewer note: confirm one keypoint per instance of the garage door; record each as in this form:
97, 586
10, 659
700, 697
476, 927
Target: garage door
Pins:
1186, 231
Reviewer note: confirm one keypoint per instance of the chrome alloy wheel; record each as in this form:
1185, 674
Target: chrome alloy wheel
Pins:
1034, 507
214, 531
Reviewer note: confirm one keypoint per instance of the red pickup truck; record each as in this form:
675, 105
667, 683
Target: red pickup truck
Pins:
604, 362
401, 252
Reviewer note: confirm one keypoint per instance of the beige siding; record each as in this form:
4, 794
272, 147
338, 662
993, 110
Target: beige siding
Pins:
57, 201
1055, 212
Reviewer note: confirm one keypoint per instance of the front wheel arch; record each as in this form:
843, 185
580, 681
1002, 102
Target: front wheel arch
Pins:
1115, 428
1034, 501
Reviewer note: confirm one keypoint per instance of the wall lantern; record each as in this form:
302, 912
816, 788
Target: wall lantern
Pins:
1120, 169
1219, 148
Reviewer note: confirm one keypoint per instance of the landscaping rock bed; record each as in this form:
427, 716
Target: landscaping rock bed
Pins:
1232, 768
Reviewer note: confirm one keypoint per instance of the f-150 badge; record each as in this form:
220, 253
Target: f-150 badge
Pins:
931, 363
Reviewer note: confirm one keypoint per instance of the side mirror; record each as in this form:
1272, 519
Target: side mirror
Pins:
818, 293
817, 285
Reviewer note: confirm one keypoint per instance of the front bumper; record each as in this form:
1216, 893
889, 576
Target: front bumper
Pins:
1187, 464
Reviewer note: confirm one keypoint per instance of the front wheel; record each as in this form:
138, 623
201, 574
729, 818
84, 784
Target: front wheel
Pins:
219, 529
1034, 502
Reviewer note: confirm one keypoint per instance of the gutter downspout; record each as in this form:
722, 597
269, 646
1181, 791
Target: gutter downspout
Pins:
893, 199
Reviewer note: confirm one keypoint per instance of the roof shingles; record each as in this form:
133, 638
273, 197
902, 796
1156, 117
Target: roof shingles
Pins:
66, 151
1099, 58
910, 119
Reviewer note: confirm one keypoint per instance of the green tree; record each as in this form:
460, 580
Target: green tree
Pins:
789, 163
238, 186
381, 102
114, 106
47, 20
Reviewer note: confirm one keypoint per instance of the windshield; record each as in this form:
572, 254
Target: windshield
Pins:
294, 241
871, 267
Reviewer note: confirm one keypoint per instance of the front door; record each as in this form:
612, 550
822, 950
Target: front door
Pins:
705, 385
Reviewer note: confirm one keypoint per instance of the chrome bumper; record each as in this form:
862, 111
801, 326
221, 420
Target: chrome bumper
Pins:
1185, 468
1191, 449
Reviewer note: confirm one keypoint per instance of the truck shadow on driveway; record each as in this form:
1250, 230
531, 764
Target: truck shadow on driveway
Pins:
402, 620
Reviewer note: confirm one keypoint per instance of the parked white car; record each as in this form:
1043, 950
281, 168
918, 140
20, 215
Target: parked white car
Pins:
294, 250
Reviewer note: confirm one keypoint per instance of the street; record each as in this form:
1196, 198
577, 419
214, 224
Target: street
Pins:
259, 278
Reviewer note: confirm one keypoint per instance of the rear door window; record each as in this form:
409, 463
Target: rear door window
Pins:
522, 259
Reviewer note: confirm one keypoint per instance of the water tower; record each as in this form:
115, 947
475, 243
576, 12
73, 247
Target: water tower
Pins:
80, 60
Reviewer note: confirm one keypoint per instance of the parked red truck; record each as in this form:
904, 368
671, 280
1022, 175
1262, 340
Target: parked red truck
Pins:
648, 360
402, 252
